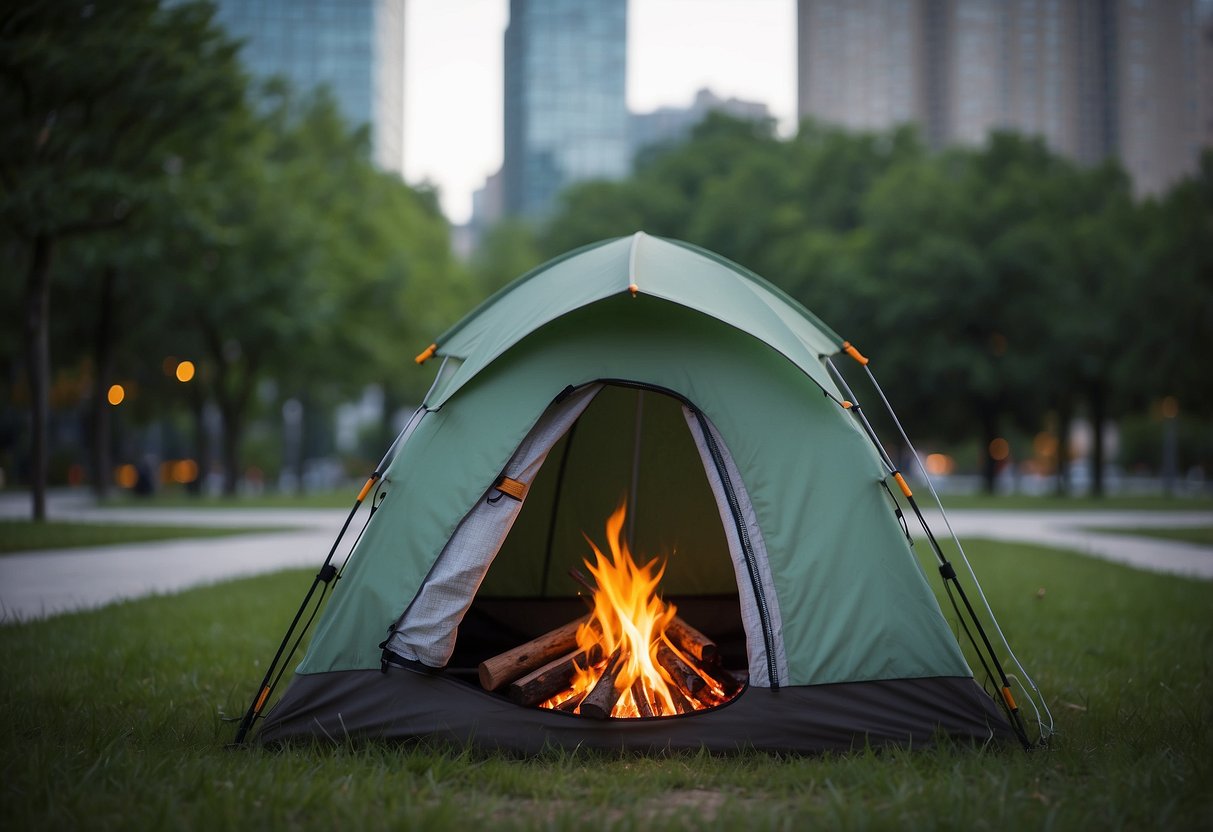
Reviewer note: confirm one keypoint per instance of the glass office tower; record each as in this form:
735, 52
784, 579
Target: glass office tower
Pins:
356, 47
566, 116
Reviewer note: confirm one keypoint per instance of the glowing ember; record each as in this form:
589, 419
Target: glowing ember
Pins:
628, 626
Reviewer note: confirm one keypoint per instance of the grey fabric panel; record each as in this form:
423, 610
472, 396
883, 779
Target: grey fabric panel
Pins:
406, 704
756, 646
427, 629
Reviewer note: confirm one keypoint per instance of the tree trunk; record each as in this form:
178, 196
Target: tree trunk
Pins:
103, 365
202, 439
1098, 400
38, 366
1065, 415
232, 431
989, 431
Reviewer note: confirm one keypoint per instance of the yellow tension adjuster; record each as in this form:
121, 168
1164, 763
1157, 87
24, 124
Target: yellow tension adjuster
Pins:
511, 488
366, 488
1006, 694
427, 354
850, 350
265, 692
905, 489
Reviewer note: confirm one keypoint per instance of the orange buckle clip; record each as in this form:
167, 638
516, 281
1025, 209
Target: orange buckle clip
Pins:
511, 488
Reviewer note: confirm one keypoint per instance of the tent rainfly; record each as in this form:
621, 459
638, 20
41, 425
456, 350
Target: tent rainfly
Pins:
655, 378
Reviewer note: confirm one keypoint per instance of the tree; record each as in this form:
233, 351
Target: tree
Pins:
300, 263
966, 251
96, 100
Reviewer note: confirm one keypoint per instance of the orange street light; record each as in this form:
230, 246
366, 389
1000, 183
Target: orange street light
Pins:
116, 394
185, 371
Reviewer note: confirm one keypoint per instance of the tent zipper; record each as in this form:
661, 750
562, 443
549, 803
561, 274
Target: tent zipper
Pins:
747, 547
743, 532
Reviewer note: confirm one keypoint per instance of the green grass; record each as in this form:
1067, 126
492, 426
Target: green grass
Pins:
28, 536
113, 720
1187, 534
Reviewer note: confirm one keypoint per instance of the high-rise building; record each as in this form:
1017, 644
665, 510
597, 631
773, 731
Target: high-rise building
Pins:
862, 63
1094, 78
673, 124
356, 47
566, 116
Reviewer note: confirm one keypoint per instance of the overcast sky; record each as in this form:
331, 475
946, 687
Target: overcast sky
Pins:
453, 65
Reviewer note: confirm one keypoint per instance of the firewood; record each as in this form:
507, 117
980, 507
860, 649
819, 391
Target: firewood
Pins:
524, 658
642, 701
721, 678
689, 640
600, 701
555, 676
681, 673
682, 705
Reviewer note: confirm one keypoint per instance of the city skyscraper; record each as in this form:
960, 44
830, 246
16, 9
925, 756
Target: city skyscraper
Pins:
674, 124
566, 116
1095, 78
356, 47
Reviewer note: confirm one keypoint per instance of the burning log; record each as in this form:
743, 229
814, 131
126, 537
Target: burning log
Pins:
549, 680
681, 674
600, 701
682, 705
641, 699
690, 641
723, 679
525, 658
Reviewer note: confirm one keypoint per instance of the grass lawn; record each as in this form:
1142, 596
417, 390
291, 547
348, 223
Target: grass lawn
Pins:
113, 721
26, 536
1189, 534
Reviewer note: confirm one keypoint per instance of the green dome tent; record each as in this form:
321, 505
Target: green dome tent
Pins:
656, 372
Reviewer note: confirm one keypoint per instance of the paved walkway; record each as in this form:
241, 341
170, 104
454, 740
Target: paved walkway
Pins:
50, 582
41, 584
1076, 531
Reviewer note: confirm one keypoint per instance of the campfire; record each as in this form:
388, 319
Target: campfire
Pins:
632, 656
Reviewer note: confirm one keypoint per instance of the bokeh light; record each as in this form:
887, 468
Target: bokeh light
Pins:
1000, 449
116, 394
126, 476
185, 371
184, 471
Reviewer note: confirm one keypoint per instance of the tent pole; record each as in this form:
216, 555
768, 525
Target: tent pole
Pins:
946, 570
981, 593
327, 573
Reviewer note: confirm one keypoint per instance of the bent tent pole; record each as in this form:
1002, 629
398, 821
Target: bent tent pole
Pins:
946, 570
325, 576
1046, 730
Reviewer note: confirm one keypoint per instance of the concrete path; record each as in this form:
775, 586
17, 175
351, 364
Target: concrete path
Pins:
1076, 531
44, 583
41, 584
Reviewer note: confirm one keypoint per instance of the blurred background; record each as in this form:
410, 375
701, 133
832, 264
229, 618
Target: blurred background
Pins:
227, 227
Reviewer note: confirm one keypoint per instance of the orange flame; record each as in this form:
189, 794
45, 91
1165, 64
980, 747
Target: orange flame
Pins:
628, 616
